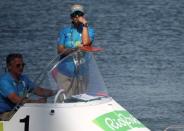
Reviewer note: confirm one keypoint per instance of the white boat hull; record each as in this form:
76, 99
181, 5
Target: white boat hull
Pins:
97, 115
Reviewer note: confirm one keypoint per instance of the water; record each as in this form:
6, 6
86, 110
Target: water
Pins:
142, 64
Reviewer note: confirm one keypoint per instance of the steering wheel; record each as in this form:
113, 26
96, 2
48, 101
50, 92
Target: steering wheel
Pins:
58, 95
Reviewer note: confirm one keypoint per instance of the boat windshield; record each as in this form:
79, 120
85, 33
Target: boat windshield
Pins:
75, 74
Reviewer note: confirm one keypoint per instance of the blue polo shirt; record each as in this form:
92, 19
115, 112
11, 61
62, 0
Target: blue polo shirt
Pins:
71, 37
8, 85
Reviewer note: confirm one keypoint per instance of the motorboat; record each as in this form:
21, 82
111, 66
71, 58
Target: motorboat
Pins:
84, 105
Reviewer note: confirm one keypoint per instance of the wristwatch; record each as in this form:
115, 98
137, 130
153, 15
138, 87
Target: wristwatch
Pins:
85, 25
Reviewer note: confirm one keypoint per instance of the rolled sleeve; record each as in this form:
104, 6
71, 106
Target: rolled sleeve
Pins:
61, 38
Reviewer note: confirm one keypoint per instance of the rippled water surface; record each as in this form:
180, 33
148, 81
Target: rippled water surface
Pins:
143, 61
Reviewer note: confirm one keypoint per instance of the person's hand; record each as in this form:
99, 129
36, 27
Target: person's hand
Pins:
82, 20
69, 50
80, 45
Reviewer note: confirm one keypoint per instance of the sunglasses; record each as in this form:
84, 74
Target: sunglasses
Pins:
20, 65
77, 13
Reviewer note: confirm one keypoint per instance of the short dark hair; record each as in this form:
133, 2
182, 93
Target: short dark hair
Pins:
12, 56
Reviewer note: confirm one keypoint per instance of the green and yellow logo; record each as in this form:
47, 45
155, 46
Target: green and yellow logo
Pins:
117, 121
1, 126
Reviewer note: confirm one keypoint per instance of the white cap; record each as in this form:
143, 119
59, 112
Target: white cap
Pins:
77, 7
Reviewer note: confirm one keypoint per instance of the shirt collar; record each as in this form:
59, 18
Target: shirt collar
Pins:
13, 79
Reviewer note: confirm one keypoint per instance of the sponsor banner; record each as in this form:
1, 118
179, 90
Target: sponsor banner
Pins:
118, 121
1, 126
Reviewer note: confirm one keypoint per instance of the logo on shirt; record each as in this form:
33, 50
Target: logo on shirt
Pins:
77, 43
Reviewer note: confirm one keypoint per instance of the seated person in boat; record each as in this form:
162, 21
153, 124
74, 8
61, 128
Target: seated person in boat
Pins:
14, 85
77, 35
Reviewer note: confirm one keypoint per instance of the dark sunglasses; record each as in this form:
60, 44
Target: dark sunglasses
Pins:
77, 13
20, 65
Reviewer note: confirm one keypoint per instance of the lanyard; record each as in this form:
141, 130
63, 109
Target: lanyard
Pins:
72, 37
18, 85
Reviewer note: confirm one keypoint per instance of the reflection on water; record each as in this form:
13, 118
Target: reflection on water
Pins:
142, 64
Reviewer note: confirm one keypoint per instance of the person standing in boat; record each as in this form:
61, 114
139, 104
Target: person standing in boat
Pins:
70, 38
78, 34
14, 86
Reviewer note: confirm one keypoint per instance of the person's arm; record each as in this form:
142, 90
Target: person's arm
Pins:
85, 36
64, 51
14, 98
33, 88
7, 90
86, 41
44, 92
60, 49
